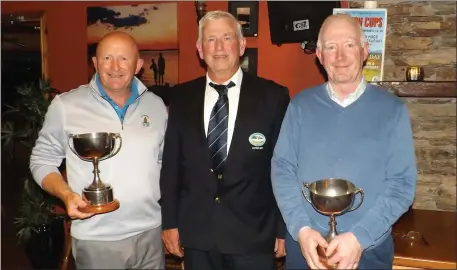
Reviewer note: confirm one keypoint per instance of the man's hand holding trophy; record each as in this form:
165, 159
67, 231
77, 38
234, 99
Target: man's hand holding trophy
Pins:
330, 197
97, 198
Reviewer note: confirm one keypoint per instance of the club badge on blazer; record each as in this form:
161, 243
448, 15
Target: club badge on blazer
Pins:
257, 140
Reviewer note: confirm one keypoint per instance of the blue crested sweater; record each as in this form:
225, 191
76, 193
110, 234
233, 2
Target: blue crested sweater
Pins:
369, 143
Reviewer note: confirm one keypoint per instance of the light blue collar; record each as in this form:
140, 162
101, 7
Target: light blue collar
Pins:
120, 111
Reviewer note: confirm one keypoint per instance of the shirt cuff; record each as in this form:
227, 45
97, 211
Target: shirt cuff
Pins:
42, 171
362, 236
296, 229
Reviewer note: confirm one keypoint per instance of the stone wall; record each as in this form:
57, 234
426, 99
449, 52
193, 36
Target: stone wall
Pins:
434, 130
423, 33
419, 33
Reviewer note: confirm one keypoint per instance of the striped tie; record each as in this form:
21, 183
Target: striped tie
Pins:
217, 127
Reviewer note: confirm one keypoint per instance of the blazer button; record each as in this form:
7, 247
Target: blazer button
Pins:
217, 200
219, 176
211, 170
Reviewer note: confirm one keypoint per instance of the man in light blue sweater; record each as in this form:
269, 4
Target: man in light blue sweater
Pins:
346, 129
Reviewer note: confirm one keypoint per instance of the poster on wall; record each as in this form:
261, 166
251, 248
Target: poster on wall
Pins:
155, 29
373, 22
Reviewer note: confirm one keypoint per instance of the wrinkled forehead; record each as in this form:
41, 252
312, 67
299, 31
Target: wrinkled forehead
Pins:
340, 30
117, 46
219, 25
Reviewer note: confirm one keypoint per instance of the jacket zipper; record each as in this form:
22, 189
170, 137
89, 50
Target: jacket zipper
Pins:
122, 121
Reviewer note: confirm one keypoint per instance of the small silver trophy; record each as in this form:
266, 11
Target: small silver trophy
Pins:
332, 197
95, 147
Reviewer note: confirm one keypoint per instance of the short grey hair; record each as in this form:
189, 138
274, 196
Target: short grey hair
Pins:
348, 18
214, 15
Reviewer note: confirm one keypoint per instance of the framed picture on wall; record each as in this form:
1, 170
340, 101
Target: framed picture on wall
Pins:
153, 25
249, 61
247, 13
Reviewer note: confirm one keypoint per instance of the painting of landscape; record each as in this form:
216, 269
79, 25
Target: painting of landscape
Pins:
153, 26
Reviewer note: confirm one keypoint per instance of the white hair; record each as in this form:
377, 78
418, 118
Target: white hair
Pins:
348, 18
214, 15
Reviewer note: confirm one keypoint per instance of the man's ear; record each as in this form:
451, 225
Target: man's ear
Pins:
242, 46
319, 55
94, 60
139, 65
199, 49
365, 52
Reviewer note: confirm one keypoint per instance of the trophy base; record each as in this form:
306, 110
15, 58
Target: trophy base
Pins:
101, 209
323, 258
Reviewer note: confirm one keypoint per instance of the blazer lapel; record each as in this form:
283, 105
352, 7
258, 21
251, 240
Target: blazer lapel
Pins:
245, 107
199, 102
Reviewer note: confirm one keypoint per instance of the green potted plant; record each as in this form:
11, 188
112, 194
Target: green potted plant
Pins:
38, 225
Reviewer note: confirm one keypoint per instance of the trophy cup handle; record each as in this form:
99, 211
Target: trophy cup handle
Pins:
306, 185
359, 190
116, 149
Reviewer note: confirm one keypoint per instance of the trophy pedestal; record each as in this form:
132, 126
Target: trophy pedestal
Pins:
101, 209
99, 200
323, 258
328, 237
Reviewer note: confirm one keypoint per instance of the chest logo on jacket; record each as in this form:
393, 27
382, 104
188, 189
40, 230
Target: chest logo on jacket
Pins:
257, 140
145, 120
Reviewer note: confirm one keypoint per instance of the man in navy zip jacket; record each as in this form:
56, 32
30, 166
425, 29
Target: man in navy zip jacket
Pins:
346, 129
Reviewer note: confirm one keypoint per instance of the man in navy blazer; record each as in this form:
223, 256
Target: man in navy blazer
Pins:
218, 207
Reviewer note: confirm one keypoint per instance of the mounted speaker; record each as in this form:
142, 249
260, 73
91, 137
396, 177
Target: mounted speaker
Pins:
298, 21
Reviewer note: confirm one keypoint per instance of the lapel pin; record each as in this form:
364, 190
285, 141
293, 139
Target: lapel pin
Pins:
257, 140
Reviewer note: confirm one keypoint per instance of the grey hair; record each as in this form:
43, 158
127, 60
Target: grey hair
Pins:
214, 15
349, 19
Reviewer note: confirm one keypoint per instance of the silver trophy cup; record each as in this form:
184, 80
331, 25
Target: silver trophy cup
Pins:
332, 197
95, 147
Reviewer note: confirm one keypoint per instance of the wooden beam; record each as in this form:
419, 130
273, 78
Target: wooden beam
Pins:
435, 89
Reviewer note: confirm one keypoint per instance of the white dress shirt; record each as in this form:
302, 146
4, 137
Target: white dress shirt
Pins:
351, 98
233, 94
